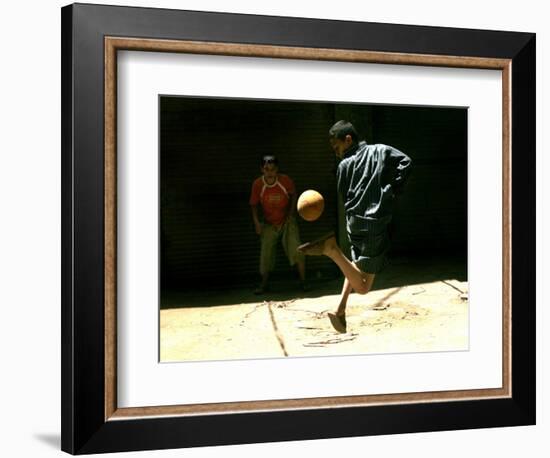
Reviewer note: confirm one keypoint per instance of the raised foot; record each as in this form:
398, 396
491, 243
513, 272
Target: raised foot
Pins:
319, 246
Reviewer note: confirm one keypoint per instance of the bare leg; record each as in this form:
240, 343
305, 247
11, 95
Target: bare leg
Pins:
268, 238
291, 241
301, 266
360, 281
355, 279
346, 290
263, 286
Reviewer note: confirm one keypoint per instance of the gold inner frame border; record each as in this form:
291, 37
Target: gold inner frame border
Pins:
114, 44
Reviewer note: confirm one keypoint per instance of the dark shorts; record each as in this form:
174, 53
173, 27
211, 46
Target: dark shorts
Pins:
369, 246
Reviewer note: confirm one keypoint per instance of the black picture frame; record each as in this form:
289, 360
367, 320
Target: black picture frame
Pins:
84, 427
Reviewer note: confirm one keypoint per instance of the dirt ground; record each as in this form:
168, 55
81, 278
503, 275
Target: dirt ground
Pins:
416, 308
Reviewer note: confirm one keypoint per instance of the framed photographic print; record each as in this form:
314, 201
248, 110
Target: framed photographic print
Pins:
286, 228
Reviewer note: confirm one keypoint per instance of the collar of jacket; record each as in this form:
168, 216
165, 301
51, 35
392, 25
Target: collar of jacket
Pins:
353, 149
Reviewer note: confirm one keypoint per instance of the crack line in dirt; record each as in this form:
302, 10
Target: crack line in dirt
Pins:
317, 314
252, 311
334, 340
276, 329
453, 286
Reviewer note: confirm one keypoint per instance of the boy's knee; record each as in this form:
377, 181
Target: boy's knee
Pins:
366, 284
364, 289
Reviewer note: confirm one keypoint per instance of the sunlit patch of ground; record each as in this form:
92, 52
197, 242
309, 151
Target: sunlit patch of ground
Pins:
421, 317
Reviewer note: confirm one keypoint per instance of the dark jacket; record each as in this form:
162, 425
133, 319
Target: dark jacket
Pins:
368, 178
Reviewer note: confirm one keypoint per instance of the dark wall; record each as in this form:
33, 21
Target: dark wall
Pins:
431, 215
210, 151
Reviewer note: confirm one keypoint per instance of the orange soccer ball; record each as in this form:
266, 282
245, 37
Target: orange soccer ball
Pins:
310, 205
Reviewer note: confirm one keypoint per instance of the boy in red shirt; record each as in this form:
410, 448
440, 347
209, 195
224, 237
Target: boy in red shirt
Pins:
277, 196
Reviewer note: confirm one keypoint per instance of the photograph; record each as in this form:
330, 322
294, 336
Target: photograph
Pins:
293, 228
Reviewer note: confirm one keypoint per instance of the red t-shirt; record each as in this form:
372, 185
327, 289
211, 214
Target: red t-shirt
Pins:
274, 198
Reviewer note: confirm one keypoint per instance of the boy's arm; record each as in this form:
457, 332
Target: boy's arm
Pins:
402, 166
342, 184
288, 183
257, 225
292, 209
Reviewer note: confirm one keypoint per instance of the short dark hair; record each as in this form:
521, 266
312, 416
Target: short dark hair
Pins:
269, 159
342, 128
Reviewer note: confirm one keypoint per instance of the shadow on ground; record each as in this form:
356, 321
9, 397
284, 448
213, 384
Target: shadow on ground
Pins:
401, 272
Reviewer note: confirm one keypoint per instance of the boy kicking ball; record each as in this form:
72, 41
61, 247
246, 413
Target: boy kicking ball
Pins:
368, 179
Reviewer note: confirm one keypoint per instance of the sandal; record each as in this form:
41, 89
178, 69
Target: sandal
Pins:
338, 322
